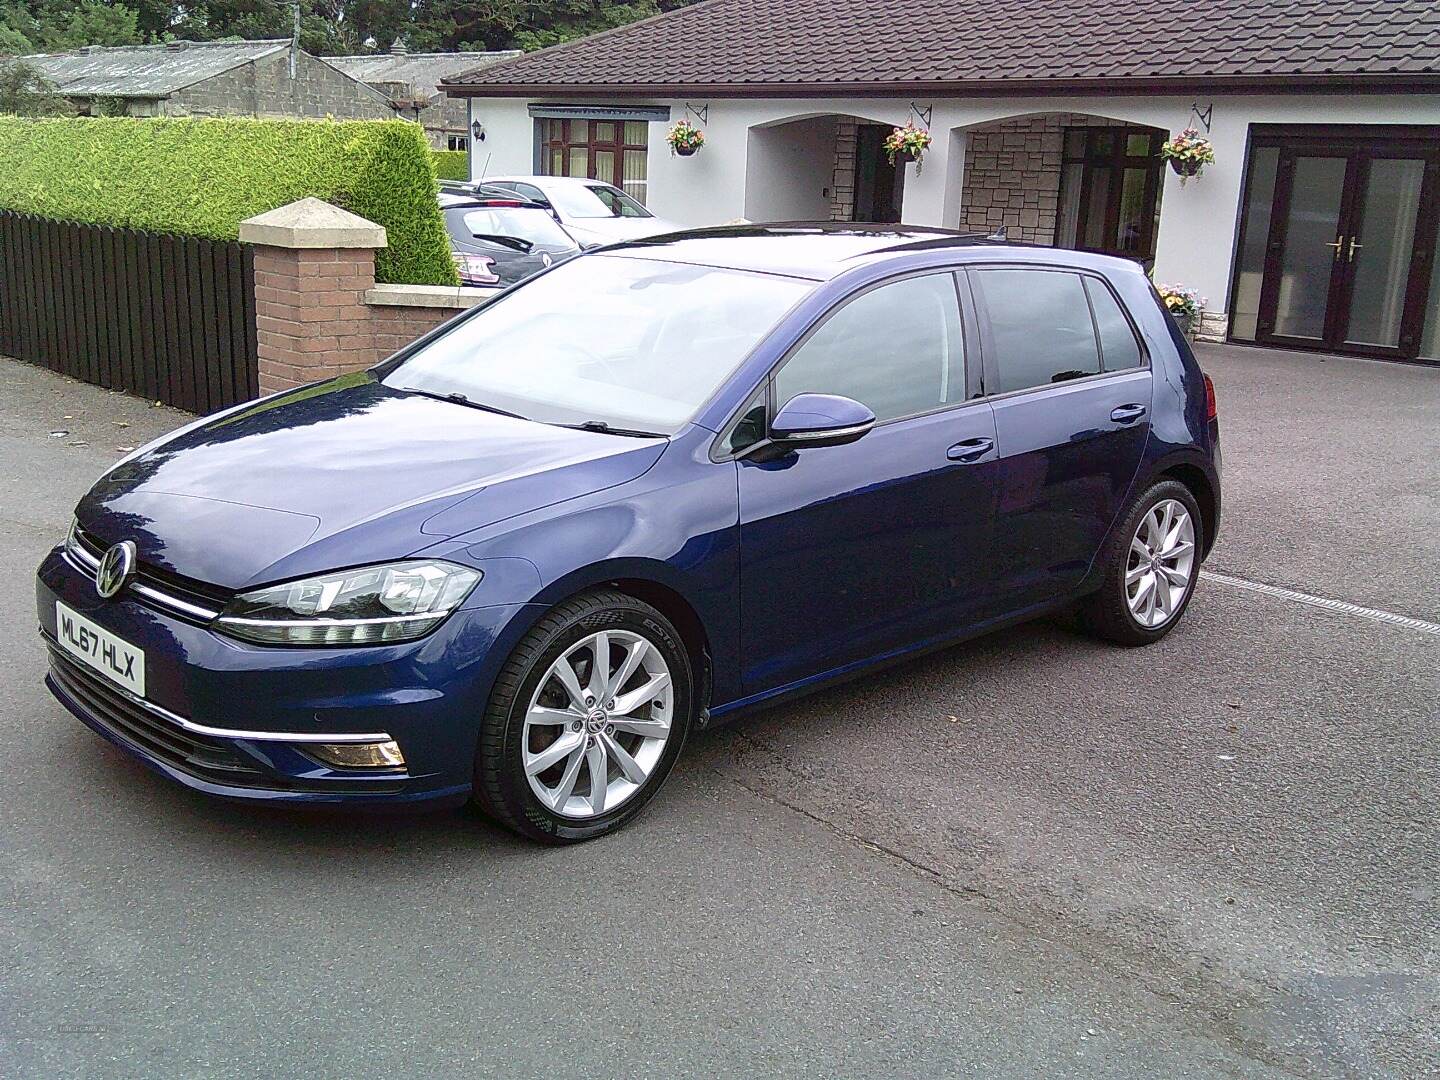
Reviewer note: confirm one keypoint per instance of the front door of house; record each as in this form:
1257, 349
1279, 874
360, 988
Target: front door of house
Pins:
1351, 239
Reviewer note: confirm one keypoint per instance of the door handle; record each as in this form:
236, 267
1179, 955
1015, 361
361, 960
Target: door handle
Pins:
1127, 414
970, 451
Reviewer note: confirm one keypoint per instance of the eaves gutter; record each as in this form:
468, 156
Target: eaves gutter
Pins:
1386, 83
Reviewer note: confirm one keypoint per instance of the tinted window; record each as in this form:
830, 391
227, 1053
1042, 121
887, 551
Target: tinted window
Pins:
1041, 327
897, 349
534, 226
1118, 347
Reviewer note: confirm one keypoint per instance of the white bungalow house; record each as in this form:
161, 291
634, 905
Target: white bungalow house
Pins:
1314, 228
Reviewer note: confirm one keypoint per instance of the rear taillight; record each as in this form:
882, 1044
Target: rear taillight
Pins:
1211, 409
476, 269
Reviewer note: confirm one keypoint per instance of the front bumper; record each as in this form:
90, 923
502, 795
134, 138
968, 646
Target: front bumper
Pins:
217, 712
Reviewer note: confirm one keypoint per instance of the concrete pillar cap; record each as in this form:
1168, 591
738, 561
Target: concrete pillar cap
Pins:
311, 223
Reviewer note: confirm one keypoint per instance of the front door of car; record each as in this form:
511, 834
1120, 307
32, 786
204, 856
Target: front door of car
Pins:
1072, 395
848, 552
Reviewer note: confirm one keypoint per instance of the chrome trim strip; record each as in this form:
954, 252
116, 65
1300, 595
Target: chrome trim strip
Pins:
184, 607
87, 564
833, 433
231, 733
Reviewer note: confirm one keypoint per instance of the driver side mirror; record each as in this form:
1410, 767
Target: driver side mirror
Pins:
820, 420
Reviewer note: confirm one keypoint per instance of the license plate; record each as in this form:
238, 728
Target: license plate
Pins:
113, 657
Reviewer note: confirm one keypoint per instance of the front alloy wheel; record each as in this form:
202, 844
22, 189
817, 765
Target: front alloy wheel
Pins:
598, 723
585, 720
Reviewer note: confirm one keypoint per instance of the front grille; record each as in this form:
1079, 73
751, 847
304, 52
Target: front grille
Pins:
199, 755
194, 601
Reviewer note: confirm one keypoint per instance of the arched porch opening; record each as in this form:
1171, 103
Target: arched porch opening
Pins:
821, 167
1067, 180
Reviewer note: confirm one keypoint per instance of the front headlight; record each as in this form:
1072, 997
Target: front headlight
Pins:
373, 605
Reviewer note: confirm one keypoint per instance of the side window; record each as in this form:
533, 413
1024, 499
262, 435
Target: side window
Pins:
1118, 348
1041, 327
897, 348
530, 191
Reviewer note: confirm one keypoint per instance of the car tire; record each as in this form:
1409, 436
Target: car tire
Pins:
532, 684
1119, 610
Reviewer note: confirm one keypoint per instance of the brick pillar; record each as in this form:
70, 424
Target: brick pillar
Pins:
314, 264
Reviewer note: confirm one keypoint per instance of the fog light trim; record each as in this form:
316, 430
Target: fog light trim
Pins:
360, 755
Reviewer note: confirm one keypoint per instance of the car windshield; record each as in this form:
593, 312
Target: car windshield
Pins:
534, 225
631, 343
594, 201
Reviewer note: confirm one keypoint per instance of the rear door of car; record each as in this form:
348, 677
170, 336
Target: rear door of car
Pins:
1071, 387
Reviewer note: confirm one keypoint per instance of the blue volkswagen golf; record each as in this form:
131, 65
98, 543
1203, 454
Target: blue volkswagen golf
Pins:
648, 489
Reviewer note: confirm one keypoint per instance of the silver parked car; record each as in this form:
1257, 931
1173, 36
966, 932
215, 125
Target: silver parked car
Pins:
592, 211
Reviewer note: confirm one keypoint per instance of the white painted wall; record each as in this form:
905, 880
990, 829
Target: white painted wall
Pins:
790, 171
1198, 222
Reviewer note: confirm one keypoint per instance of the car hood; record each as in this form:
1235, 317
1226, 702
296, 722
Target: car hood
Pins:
339, 474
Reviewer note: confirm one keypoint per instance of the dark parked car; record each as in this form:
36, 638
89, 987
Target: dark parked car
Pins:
500, 238
640, 493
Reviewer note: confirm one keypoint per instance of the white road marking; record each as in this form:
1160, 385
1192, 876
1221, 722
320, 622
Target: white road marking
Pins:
1339, 607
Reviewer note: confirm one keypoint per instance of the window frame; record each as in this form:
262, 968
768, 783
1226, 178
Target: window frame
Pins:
1117, 160
989, 353
547, 143
765, 385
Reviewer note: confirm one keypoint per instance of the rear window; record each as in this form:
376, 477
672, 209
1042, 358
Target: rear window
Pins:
1041, 327
534, 225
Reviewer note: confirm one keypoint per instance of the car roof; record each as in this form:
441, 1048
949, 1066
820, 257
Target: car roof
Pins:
815, 250
547, 181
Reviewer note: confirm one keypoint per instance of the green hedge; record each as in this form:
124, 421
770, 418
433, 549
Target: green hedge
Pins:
203, 177
451, 164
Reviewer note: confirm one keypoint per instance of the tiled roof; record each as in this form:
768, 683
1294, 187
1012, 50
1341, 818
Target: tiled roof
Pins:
147, 71
805, 46
422, 71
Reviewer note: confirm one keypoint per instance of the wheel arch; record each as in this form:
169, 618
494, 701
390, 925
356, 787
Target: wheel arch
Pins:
656, 584
1203, 489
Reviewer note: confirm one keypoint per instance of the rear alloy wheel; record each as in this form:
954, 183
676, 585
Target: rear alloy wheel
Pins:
586, 720
1150, 565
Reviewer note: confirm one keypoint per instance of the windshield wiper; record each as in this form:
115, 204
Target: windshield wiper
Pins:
461, 399
505, 241
604, 428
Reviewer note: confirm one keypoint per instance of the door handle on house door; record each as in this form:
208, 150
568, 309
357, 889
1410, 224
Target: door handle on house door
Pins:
1127, 414
970, 451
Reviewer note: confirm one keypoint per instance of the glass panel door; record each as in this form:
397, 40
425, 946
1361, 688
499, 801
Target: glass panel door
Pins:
1348, 246
1309, 248
1379, 249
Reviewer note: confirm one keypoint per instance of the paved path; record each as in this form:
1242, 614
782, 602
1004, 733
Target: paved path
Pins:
1028, 856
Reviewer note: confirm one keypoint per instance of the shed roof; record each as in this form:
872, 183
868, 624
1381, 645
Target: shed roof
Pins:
423, 71
147, 71
883, 46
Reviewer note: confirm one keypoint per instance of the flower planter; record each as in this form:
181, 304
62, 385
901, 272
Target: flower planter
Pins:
1186, 169
686, 151
1186, 324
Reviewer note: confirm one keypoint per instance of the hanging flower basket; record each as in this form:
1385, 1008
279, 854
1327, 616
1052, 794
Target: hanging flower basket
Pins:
1188, 153
684, 138
907, 143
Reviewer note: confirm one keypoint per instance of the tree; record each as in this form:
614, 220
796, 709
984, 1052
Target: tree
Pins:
24, 91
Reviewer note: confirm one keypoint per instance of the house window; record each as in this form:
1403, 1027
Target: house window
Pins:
614, 151
457, 142
1110, 183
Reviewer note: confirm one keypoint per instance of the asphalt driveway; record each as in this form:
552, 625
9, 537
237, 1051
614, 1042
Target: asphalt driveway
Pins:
1032, 855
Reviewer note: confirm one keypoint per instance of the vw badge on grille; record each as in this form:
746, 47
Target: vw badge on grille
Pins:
116, 568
